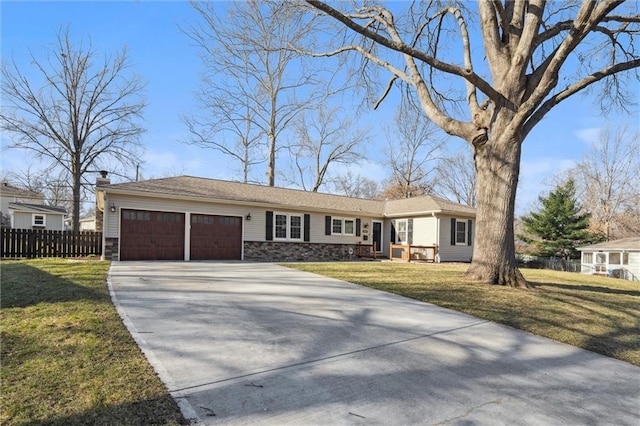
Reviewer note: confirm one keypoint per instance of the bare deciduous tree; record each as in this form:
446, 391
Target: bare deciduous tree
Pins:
392, 190
324, 137
456, 179
413, 144
355, 185
52, 183
536, 55
253, 86
608, 182
82, 117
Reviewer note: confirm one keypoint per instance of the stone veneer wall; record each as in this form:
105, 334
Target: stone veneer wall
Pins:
272, 251
111, 249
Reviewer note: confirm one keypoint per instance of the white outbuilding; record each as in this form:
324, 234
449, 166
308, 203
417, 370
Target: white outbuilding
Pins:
618, 258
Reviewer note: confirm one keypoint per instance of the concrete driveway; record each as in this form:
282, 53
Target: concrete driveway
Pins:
253, 343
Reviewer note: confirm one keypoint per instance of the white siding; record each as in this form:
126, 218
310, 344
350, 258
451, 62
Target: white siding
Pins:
634, 264
88, 225
424, 231
254, 229
591, 267
453, 253
6, 199
317, 230
24, 220
112, 220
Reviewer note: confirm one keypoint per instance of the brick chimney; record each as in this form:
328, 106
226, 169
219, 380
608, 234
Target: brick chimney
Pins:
100, 201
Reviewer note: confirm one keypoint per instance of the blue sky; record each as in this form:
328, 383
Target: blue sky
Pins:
169, 63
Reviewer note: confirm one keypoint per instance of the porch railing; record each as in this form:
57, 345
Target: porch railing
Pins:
413, 253
367, 250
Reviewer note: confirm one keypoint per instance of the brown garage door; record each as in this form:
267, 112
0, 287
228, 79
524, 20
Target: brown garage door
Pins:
148, 235
216, 237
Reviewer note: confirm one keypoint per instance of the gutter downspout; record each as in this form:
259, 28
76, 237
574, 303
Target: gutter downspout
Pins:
437, 258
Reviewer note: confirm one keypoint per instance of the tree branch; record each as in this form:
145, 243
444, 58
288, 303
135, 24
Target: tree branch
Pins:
467, 74
575, 88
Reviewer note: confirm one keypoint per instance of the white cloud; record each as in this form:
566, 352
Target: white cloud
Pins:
588, 135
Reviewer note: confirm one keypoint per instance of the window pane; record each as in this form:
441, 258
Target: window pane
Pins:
337, 226
296, 227
461, 232
348, 227
401, 228
614, 258
281, 226
625, 258
601, 258
588, 257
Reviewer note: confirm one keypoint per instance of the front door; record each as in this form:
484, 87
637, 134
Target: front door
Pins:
377, 235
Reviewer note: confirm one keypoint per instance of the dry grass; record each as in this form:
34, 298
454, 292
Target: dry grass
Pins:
66, 356
595, 313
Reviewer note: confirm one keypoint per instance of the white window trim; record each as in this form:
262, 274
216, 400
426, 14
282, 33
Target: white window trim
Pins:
44, 220
342, 228
406, 231
288, 216
466, 232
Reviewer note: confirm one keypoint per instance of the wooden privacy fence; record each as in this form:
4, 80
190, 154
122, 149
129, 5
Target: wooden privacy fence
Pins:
33, 243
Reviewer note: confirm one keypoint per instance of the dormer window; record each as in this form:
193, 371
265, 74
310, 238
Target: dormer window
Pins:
39, 220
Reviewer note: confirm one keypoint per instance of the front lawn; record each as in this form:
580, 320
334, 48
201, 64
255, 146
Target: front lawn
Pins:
66, 356
595, 313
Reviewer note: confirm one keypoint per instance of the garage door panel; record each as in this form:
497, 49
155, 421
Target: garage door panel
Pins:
216, 237
148, 235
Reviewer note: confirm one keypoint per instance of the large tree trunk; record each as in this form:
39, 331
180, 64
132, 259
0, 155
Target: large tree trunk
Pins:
77, 185
497, 164
271, 166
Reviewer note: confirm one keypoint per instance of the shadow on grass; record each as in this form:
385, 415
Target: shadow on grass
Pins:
589, 288
24, 285
162, 410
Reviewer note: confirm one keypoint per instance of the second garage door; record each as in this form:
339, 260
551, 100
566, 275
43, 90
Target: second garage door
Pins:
216, 237
150, 235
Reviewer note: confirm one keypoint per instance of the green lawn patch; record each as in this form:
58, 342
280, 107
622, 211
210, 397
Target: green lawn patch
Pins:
595, 313
67, 358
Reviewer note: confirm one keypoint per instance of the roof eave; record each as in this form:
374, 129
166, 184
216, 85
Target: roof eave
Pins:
202, 198
431, 213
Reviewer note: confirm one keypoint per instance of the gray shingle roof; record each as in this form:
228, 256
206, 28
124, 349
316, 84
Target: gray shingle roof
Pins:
7, 189
189, 186
632, 243
426, 203
36, 208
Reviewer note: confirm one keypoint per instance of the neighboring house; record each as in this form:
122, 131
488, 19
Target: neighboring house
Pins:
13, 194
36, 216
619, 258
190, 218
88, 223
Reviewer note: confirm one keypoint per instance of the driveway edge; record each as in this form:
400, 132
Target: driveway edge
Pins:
186, 408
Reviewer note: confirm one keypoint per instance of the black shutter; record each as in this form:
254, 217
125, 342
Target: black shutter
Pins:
307, 227
469, 232
409, 231
453, 231
327, 225
358, 224
393, 231
269, 227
